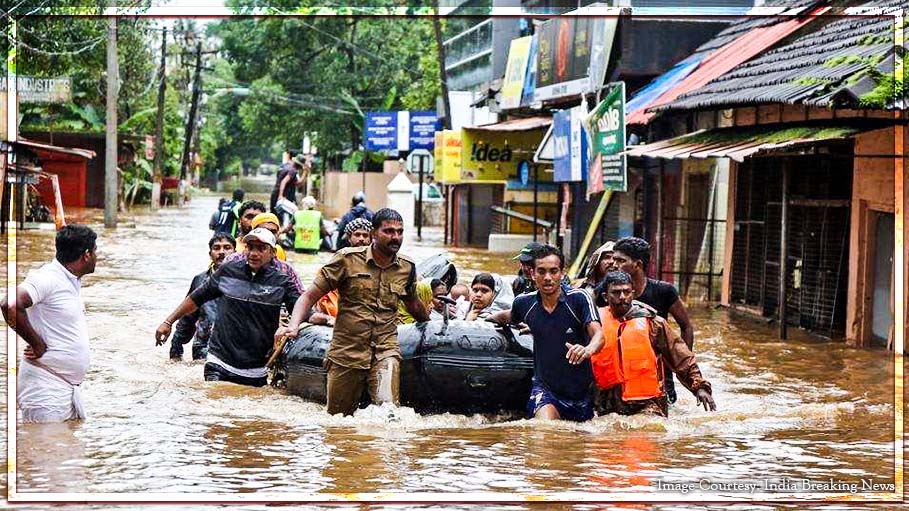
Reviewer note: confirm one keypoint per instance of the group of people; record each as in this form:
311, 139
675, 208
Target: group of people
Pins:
600, 349
604, 347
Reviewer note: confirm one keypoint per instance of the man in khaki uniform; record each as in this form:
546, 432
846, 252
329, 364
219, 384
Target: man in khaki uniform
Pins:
364, 349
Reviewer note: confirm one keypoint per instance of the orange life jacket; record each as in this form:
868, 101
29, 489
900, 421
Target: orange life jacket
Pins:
329, 303
627, 358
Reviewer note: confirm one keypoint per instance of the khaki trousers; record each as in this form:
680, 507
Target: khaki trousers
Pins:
346, 384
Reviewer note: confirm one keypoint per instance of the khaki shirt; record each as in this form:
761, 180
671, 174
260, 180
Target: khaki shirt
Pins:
366, 325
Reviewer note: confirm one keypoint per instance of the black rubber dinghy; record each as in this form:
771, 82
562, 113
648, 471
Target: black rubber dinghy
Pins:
447, 366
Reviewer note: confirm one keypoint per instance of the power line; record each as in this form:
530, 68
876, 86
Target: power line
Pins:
18, 43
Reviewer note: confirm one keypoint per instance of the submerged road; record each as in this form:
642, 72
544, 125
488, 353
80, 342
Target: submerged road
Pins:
802, 409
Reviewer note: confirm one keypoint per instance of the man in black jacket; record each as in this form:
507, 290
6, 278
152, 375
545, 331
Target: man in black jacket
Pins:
252, 292
197, 326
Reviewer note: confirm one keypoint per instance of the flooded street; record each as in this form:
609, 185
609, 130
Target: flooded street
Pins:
796, 409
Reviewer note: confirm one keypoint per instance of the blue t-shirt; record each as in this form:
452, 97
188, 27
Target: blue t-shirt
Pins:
567, 323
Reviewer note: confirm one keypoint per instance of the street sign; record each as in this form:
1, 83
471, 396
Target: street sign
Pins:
423, 127
606, 125
524, 172
413, 161
401, 130
381, 131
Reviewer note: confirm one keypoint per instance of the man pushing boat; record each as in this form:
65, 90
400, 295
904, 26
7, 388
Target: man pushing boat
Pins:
364, 350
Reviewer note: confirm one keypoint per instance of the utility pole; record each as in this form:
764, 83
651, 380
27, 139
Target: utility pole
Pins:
159, 126
110, 141
194, 105
437, 28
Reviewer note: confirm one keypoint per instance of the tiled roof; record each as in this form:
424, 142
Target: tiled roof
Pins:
813, 69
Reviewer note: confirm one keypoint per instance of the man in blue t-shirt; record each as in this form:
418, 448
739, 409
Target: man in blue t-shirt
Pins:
566, 332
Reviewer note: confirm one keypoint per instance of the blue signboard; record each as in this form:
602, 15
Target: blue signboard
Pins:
423, 127
381, 131
569, 146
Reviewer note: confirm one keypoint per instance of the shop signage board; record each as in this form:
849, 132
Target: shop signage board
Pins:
515, 73
32, 89
493, 156
569, 145
573, 50
448, 159
606, 126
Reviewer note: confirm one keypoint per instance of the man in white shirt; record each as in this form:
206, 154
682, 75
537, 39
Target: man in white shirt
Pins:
48, 313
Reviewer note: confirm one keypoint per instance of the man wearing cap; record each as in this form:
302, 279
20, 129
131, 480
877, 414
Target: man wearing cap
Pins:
523, 283
253, 291
326, 309
364, 353
267, 222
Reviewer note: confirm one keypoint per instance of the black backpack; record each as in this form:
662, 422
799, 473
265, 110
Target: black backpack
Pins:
224, 219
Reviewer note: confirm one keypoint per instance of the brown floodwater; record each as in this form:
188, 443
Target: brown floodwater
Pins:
802, 409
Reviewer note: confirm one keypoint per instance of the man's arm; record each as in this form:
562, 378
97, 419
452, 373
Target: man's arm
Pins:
163, 332
186, 326
16, 317
681, 360
416, 308
301, 312
500, 318
283, 185
578, 353
680, 314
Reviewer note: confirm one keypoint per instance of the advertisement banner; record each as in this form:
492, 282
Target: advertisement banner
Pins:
515, 72
448, 169
423, 126
381, 131
573, 52
530, 80
606, 125
569, 145
493, 156
561, 137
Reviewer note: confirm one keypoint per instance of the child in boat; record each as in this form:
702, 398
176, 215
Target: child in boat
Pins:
488, 294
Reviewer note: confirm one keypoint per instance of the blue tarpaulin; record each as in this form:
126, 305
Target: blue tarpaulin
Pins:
653, 90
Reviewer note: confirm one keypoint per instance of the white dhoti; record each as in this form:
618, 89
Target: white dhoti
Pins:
45, 396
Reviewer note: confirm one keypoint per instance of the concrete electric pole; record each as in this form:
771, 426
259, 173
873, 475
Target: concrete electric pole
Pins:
110, 152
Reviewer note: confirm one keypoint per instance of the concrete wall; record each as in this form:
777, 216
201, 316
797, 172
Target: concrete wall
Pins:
339, 187
872, 191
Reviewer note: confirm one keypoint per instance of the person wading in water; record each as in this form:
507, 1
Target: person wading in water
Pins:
637, 345
364, 350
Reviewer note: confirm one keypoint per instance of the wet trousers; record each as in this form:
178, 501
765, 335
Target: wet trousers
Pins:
346, 384
44, 396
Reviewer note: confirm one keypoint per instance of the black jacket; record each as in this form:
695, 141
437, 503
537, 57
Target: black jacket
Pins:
249, 311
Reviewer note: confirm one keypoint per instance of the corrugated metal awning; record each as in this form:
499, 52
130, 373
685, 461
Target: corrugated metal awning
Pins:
30, 144
725, 59
740, 143
526, 124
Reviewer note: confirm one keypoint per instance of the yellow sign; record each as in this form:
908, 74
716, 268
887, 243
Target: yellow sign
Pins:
515, 72
448, 157
493, 156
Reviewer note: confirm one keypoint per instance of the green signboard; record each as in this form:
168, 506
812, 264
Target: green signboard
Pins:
606, 125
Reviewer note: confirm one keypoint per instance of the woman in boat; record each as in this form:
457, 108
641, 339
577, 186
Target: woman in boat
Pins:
427, 290
488, 294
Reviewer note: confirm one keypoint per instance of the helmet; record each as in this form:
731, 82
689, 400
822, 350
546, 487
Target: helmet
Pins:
358, 198
309, 202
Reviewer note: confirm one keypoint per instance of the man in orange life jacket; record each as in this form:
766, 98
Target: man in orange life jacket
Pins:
637, 344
